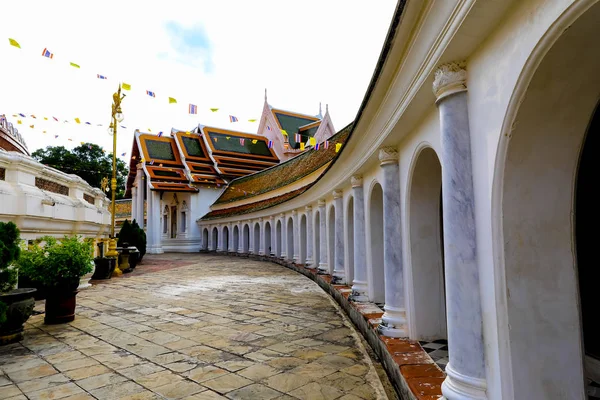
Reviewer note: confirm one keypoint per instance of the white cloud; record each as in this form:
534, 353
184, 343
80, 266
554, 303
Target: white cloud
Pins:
304, 52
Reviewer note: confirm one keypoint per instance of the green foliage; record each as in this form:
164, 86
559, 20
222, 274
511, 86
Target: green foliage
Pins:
88, 161
134, 235
3, 309
9, 253
53, 262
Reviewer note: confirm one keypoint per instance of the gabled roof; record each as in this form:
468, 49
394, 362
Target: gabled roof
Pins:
236, 153
283, 174
198, 163
291, 123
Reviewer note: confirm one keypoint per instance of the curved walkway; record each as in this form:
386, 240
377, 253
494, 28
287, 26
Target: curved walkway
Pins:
202, 327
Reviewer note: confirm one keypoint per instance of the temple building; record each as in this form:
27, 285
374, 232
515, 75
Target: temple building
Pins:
460, 210
173, 179
42, 200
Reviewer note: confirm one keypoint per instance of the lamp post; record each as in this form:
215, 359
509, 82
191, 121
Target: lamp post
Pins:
116, 117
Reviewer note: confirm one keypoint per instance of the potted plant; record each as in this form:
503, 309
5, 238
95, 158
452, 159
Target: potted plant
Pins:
104, 266
57, 265
16, 305
135, 236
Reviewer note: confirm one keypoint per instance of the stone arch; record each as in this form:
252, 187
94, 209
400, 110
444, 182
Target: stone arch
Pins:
535, 213
278, 233
205, 239
246, 239
225, 239
375, 244
215, 238
349, 240
302, 239
256, 239
424, 210
331, 238
290, 238
268, 244
236, 238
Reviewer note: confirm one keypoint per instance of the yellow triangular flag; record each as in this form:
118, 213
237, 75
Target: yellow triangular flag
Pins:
251, 120
227, 137
126, 86
254, 141
149, 130
81, 142
13, 42
44, 132
31, 126
172, 100
214, 109
188, 133
338, 146
283, 132
313, 141
301, 146
19, 121
74, 65
45, 118
143, 159
77, 120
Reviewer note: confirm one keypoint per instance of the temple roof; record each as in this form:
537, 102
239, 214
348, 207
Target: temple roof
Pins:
281, 175
10, 138
292, 123
256, 206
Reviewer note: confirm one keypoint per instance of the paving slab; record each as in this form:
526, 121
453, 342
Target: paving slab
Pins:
194, 326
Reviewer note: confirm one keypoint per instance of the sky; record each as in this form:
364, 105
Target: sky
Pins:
214, 54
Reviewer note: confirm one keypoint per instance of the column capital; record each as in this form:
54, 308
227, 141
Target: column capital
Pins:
294, 212
271, 218
356, 181
308, 208
140, 165
388, 155
450, 78
260, 219
322, 202
239, 222
282, 215
338, 194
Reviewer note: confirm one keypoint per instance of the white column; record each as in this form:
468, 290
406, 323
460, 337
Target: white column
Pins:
339, 272
230, 240
220, 238
323, 268
309, 237
296, 238
240, 248
251, 237
133, 203
154, 232
394, 318
283, 237
273, 233
466, 370
261, 247
360, 286
139, 177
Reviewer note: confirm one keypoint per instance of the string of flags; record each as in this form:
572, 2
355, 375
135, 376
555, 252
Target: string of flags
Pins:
192, 108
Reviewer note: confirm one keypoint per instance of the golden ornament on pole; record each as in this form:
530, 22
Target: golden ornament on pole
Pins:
116, 117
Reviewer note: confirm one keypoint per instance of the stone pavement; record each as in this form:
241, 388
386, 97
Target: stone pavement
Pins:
213, 327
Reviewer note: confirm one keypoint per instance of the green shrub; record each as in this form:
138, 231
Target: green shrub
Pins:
9, 253
134, 235
57, 262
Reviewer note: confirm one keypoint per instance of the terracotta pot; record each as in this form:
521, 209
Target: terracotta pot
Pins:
20, 304
60, 306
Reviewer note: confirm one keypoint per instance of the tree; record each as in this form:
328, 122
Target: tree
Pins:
87, 161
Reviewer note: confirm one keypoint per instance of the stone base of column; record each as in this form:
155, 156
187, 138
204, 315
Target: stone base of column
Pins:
272, 254
308, 262
457, 386
323, 268
261, 253
393, 322
339, 278
360, 291
155, 249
